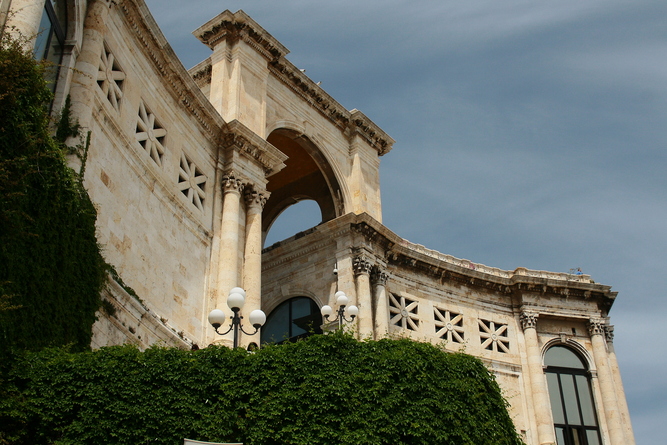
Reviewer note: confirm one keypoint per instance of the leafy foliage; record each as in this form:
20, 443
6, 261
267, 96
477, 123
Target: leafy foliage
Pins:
51, 269
328, 389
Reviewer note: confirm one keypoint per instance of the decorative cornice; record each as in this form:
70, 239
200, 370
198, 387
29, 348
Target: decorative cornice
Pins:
180, 84
239, 26
373, 134
529, 319
368, 232
348, 121
201, 73
238, 137
397, 252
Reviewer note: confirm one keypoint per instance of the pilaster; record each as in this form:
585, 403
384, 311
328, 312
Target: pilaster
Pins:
596, 329
538, 383
255, 198
87, 65
362, 269
379, 278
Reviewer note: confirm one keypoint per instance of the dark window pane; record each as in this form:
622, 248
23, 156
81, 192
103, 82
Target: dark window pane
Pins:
585, 400
41, 44
554, 396
277, 324
300, 309
297, 317
570, 399
560, 436
563, 357
593, 437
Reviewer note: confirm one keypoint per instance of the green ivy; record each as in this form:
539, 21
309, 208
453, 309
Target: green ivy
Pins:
327, 389
51, 269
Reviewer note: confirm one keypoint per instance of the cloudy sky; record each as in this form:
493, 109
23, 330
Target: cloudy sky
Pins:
529, 133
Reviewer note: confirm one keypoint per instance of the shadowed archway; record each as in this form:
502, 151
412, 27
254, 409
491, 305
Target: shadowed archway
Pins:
307, 175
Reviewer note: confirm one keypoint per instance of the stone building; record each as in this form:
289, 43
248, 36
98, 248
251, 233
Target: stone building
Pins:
189, 169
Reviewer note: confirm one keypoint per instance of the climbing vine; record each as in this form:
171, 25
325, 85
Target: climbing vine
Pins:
51, 269
327, 389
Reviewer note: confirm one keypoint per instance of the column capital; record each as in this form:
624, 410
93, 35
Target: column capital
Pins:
231, 183
379, 276
609, 333
361, 266
529, 319
596, 326
255, 198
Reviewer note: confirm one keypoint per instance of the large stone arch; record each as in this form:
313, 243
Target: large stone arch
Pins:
307, 175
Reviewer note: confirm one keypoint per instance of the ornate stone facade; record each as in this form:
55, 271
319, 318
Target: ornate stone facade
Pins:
189, 170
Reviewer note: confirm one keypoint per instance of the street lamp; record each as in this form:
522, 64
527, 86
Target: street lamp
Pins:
341, 300
235, 302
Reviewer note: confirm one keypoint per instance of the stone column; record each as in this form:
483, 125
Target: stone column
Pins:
23, 20
381, 316
228, 265
606, 381
88, 63
362, 270
252, 264
538, 382
622, 401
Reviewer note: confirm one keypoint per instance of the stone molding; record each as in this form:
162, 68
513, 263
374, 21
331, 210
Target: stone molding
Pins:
239, 26
180, 84
529, 319
241, 139
398, 252
201, 73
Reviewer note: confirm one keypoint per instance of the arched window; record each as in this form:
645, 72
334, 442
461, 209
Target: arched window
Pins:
293, 319
571, 398
51, 37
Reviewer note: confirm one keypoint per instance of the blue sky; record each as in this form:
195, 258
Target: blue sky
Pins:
528, 134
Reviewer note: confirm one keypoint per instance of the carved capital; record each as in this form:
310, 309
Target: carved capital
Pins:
609, 333
361, 266
255, 198
596, 326
379, 276
231, 184
529, 320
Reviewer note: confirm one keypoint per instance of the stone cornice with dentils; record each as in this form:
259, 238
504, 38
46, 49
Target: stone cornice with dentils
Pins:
239, 26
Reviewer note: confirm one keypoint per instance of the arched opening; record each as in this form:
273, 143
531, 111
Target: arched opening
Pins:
291, 320
307, 176
295, 218
571, 396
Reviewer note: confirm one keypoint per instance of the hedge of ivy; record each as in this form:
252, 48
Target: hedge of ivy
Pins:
327, 389
51, 269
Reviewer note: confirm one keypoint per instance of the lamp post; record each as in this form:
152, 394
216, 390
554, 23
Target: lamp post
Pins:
342, 301
235, 302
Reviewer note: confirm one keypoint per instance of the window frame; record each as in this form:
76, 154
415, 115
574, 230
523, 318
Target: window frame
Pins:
569, 429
